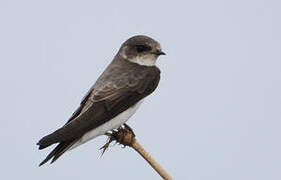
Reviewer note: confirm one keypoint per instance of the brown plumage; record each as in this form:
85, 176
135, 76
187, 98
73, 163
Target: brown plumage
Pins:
121, 86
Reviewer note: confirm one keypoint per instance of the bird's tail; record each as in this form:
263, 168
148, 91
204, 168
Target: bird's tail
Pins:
57, 152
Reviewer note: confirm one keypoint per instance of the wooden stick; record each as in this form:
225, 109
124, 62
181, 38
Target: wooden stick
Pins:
126, 137
136, 146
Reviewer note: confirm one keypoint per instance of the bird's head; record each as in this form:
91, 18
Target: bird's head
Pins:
141, 49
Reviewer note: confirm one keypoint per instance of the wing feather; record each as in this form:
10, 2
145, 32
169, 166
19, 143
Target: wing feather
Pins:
113, 93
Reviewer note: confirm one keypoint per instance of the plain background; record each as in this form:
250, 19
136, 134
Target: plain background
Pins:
215, 115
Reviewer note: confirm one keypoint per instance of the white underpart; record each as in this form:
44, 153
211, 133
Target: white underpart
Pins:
112, 124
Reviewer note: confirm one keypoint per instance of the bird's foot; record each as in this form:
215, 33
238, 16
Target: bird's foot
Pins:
110, 139
123, 135
126, 126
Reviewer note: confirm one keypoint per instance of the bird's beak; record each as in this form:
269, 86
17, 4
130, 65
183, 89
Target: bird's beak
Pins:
159, 52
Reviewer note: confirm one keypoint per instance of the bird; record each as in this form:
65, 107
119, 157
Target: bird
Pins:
113, 99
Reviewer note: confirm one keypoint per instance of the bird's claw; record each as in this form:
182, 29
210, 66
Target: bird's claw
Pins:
126, 126
110, 139
123, 135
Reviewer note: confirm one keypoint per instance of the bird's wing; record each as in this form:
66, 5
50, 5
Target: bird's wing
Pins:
106, 101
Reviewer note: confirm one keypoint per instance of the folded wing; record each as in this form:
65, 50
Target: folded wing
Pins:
106, 100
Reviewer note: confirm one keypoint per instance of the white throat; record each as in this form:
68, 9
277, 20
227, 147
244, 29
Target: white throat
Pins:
147, 60
144, 60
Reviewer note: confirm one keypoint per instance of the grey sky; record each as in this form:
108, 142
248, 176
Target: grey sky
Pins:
215, 115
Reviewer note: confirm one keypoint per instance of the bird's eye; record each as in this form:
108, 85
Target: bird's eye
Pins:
142, 48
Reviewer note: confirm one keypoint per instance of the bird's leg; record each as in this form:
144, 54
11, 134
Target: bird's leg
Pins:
122, 132
110, 139
123, 135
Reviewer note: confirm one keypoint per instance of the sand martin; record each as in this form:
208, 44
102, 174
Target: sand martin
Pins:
113, 99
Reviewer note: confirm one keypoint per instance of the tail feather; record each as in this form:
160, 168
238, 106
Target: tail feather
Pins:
42, 146
58, 151
48, 140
